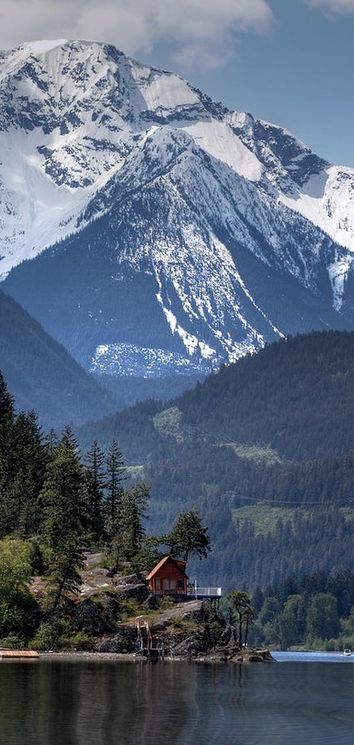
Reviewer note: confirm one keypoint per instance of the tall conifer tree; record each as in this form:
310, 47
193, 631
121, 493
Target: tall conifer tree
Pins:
134, 504
96, 482
189, 536
28, 478
65, 519
114, 498
6, 452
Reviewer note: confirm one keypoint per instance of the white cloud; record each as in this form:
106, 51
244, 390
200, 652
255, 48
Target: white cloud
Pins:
196, 31
334, 6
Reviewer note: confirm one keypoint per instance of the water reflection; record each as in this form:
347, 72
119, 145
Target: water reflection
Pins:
96, 703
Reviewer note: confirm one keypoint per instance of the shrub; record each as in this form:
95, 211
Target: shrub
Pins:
46, 638
12, 642
80, 642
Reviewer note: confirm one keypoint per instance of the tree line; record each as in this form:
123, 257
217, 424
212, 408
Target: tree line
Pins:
312, 611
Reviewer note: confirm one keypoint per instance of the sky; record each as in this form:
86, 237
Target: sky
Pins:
290, 62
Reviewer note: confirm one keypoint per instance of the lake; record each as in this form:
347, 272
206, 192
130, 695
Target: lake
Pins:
89, 702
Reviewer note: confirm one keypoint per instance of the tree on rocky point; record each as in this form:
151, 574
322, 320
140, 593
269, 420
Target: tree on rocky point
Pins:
241, 612
188, 537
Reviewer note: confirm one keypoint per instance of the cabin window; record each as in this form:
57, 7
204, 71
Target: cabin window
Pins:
180, 584
158, 584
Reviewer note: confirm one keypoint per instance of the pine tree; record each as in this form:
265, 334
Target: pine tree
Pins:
28, 479
189, 537
134, 504
22, 464
65, 519
114, 499
6, 401
241, 609
7, 467
114, 483
50, 443
95, 460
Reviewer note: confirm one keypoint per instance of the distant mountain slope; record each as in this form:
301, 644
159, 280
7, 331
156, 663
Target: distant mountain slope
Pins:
41, 374
295, 396
275, 428
161, 234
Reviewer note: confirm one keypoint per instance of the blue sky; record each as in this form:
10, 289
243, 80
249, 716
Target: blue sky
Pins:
299, 74
288, 61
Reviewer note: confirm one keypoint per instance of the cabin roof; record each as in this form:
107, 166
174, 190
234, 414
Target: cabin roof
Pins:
179, 564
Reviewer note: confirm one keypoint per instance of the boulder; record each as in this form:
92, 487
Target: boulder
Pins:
123, 641
88, 617
93, 560
125, 579
97, 616
138, 591
193, 645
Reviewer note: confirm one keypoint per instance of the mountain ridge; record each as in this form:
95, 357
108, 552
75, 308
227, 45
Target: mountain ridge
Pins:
306, 379
41, 374
159, 220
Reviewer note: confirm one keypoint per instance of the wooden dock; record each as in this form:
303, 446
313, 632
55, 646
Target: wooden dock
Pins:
9, 654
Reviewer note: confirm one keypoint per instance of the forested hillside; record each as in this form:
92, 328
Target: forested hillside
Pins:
314, 612
264, 449
295, 395
59, 511
42, 375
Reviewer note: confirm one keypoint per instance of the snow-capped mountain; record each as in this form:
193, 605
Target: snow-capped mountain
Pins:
164, 232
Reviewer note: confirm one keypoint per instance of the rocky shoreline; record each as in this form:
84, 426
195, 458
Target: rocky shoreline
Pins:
261, 655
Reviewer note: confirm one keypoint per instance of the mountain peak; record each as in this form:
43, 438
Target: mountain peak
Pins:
138, 174
43, 46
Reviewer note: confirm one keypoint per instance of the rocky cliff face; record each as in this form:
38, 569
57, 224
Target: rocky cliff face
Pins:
161, 232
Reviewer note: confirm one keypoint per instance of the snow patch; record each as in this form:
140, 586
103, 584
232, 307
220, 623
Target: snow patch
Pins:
218, 139
338, 273
129, 360
327, 200
167, 92
41, 47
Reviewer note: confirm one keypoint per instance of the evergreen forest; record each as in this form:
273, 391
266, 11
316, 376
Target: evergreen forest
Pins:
263, 450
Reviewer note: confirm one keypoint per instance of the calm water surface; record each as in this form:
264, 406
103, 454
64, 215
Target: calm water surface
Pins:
106, 703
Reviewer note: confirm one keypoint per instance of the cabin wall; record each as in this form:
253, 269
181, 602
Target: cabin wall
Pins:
168, 581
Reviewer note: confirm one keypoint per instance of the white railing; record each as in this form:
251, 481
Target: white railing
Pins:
205, 592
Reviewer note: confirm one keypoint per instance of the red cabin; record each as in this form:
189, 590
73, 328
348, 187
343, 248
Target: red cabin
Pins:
168, 577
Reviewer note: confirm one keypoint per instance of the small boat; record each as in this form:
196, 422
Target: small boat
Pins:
347, 652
